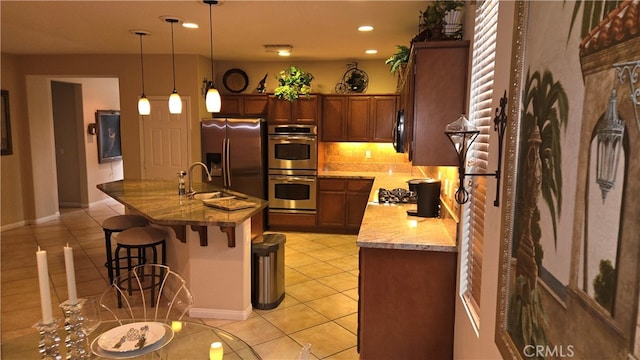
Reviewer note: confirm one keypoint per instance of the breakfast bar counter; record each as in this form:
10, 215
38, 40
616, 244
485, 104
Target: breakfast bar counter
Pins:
158, 200
209, 247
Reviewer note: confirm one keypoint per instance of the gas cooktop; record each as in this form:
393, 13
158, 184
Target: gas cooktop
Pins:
397, 195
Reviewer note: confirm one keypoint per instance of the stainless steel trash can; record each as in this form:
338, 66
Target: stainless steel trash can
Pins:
267, 272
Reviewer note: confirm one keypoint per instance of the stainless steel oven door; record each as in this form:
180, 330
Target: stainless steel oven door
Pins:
293, 152
292, 193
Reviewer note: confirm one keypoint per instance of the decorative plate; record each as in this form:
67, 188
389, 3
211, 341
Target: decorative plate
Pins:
157, 344
235, 80
126, 338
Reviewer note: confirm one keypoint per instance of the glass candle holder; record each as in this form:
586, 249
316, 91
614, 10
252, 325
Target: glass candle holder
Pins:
49, 344
75, 339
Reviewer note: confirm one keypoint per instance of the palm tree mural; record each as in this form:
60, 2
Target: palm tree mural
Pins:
544, 114
545, 106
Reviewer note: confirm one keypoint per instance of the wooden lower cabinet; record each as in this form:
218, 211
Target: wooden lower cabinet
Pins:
293, 222
342, 203
406, 306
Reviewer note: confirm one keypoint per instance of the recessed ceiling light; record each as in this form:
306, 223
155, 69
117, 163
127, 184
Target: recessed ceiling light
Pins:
190, 25
371, 51
284, 53
365, 28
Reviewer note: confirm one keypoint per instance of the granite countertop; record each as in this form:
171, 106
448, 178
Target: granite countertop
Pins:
158, 200
389, 226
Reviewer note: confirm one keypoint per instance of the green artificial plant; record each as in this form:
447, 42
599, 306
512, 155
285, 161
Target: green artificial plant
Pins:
294, 82
434, 14
400, 57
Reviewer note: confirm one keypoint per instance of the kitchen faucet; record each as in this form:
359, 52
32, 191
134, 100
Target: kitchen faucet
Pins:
206, 171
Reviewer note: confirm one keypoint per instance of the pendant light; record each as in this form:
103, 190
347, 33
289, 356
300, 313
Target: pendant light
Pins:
144, 107
212, 99
175, 102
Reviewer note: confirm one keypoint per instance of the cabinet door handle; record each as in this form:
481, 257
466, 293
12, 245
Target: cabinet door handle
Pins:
292, 179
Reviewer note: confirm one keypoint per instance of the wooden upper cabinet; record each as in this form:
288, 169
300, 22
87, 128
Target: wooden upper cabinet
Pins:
301, 111
243, 105
358, 118
255, 105
230, 105
384, 112
333, 124
362, 118
439, 86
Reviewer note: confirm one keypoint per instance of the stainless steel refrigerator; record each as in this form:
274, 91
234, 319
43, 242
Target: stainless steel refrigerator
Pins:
235, 151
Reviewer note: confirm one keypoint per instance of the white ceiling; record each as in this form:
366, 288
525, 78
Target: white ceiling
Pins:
317, 30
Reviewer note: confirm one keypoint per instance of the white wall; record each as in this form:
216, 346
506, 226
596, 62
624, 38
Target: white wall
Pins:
97, 94
43, 162
469, 344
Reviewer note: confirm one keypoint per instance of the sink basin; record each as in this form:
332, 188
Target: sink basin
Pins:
213, 195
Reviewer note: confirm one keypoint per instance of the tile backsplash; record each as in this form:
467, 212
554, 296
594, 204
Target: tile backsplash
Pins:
381, 157
364, 157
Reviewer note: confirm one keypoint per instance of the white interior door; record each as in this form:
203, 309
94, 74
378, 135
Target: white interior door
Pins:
165, 143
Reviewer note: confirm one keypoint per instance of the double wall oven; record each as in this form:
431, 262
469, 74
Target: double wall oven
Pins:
293, 168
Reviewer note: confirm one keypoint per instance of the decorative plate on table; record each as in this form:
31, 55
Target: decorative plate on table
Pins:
106, 345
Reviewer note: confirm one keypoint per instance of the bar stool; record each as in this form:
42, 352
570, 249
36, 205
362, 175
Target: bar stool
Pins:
139, 239
116, 224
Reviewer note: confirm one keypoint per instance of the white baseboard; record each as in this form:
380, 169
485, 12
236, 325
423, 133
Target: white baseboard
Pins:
106, 201
46, 218
13, 226
31, 221
220, 313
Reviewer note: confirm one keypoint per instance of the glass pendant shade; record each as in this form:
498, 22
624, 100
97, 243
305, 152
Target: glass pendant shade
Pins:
461, 133
175, 103
144, 106
213, 100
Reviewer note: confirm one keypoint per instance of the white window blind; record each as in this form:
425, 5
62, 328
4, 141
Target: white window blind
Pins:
480, 114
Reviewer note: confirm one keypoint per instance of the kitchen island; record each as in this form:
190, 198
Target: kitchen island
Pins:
209, 247
407, 281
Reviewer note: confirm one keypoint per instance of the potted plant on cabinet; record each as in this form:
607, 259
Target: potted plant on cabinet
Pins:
293, 82
399, 59
433, 18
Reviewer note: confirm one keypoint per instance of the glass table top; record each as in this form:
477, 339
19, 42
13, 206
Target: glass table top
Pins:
191, 340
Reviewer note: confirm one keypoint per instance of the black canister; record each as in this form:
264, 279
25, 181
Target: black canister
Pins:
428, 194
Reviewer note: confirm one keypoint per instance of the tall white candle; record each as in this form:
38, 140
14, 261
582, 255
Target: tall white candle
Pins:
43, 280
71, 274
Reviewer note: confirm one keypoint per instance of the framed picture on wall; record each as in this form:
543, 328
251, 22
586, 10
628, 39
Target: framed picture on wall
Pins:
108, 131
569, 282
7, 148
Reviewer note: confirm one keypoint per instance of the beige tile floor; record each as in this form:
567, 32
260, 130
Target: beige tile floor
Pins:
321, 280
